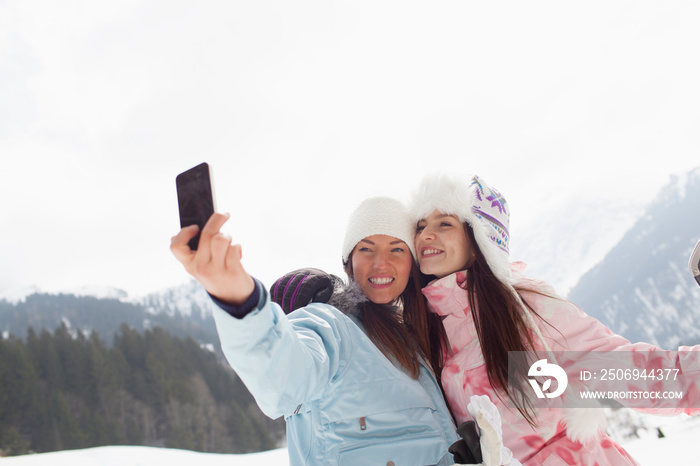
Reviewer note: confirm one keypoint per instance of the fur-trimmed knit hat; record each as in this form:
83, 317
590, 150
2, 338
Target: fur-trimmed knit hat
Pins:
379, 216
474, 202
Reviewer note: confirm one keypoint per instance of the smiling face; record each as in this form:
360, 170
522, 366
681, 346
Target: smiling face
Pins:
442, 246
381, 265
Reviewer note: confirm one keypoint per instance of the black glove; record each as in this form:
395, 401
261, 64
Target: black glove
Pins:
467, 450
302, 287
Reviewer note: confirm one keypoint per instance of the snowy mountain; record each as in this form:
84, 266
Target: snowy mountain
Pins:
643, 288
19, 295
575, 235
631, 261
188, 300
183, 311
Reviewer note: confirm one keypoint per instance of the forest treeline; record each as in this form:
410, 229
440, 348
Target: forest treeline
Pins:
60, 391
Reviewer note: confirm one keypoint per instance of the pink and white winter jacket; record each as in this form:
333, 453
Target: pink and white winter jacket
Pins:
464, 373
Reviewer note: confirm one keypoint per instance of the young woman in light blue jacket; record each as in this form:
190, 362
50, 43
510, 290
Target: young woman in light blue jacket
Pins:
355, 382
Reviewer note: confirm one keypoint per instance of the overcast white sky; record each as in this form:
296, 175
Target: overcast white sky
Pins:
305, 108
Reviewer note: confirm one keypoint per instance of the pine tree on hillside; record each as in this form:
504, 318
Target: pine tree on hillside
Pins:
63, 390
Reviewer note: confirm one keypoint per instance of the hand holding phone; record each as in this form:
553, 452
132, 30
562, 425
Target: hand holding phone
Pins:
217, 264
195, 199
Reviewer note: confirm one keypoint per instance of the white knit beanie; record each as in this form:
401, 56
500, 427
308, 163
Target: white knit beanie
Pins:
379, 216
474, 202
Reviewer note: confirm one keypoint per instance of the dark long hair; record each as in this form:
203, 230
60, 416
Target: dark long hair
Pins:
501, 327
408, 334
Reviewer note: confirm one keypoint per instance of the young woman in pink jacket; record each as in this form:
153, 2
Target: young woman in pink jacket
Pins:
490, 308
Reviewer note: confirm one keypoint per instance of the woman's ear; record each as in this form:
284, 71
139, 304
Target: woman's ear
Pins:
348, 267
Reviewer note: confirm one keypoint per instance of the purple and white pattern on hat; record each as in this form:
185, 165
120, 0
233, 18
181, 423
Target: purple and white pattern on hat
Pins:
491, 207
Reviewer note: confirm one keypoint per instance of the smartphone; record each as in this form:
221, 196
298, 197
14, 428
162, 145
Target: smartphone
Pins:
195, 198
694, 263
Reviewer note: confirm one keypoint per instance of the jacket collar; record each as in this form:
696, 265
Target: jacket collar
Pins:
449, 300
446, 296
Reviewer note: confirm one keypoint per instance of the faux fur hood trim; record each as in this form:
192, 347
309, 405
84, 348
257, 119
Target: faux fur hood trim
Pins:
348, 298
584, 425
457, 196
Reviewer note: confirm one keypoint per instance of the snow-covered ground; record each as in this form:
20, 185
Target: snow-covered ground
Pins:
146, 456
679, 446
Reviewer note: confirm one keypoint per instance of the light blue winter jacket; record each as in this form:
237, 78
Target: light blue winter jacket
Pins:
344, 402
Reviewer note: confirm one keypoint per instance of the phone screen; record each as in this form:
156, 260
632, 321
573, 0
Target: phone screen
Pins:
195, 199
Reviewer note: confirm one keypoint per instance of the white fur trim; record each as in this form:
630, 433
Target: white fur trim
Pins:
584, 425
455, 195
